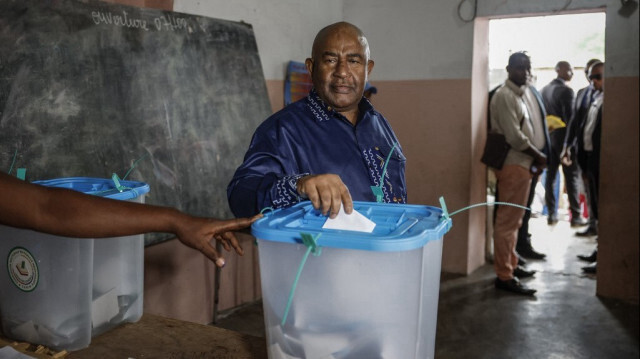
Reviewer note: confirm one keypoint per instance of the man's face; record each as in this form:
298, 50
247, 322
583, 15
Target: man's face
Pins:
339, 69
565, 72
520, 71
596, 76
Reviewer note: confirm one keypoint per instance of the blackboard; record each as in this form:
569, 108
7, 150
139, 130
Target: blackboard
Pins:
89, 88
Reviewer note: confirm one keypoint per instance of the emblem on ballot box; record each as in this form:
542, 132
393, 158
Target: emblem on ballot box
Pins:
23, 269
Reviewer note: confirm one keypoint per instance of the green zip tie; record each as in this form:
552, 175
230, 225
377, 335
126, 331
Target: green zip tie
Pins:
489, 204
446, 215
21, 173
377, 190
312, 247
133, 166
116, 181
312, 242
15, 154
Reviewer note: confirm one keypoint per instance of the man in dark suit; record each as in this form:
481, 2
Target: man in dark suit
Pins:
588, 153
558, 101
570, 151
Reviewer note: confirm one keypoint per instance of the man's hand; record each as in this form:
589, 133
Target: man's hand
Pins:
539, 164
197, 233
565, 156
539, 160
326, 192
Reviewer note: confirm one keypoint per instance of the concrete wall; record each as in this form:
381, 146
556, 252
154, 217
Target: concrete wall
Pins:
431, 75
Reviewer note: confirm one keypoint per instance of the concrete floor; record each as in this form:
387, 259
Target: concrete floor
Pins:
564, 320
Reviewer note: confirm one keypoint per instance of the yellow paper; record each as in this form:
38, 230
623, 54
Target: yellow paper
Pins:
554, 122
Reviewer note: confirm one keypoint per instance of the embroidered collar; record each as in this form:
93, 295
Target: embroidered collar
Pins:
322, 112
318, 107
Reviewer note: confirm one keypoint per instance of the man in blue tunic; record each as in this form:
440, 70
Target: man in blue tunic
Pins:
331, 147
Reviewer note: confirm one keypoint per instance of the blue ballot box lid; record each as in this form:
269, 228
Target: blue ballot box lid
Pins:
399, 227
103, 187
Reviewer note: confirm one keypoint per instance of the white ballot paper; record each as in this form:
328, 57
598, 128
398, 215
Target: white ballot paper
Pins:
355, 221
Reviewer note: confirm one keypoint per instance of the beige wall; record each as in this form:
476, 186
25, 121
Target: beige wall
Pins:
275, 88
179, 281
431, 120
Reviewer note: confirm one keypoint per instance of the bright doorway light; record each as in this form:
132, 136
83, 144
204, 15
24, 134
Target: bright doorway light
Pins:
575, 38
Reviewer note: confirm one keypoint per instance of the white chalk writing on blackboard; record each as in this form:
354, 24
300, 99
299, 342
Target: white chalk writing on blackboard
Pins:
162, 23
125, 20
168, 22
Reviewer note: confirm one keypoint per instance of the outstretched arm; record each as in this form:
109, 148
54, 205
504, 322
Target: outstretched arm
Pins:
69, 213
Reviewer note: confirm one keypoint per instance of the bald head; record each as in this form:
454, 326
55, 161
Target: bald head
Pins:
339, 66
564, 70
339, 28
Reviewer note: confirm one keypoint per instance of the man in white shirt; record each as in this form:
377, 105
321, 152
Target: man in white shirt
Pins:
589, 148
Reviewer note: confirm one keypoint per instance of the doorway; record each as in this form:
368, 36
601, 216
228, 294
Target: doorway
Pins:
575, 38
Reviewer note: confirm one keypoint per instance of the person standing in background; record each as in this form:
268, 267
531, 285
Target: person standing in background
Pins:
558, 101
589, 149
517, 112
570, 150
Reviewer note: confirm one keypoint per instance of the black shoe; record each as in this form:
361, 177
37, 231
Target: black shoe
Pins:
523, 273
521, 261
589, 258
552, 219
530, 253
514, 286
587, 232
590, 269
578, 222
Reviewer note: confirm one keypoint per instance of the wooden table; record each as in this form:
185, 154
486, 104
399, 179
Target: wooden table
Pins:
159, 337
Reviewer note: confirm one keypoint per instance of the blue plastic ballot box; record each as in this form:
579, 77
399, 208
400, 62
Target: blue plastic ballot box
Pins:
59, 291
358, 295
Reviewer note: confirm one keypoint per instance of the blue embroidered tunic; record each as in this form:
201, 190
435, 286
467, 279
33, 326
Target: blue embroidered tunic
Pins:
308, 137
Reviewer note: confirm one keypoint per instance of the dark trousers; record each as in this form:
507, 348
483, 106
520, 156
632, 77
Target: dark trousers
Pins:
592, 174
571, 176
524, 239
